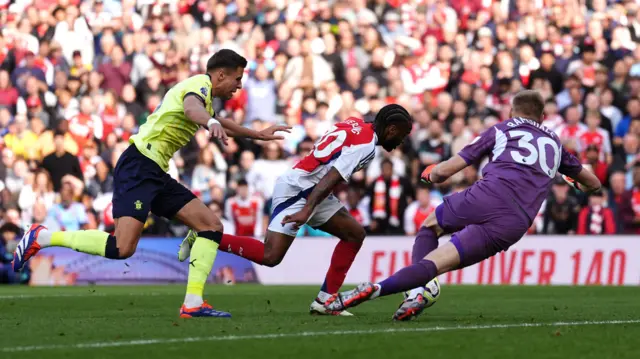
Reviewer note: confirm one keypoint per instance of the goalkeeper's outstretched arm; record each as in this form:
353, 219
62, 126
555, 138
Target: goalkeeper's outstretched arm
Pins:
585, 181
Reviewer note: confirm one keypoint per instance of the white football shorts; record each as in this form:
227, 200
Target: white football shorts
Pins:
288, 199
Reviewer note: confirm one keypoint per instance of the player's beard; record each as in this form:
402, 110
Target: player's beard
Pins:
390, 145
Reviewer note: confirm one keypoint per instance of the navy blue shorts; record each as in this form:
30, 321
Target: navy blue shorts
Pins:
141, 186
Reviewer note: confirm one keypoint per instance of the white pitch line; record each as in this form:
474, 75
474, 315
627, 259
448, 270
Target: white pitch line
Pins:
29, 296
307, 334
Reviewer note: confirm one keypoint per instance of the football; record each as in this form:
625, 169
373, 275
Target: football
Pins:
431, 292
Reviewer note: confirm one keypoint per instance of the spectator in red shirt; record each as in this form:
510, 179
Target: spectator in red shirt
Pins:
117, 72
85, 125
8, 94
596, 219
591, 157
595, 135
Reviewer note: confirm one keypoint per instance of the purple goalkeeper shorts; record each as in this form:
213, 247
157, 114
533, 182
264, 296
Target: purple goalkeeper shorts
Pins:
482, 223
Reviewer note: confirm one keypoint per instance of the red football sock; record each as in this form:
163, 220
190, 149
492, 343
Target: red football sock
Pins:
341, 261
245, 247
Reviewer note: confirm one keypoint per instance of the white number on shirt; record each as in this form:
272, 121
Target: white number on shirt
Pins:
328, 143
537, 153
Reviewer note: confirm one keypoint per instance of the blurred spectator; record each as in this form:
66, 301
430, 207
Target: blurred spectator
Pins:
596, 219
245, 211
38, 189
389, 196
418, 211
261, 96
630, 204
210, 172
561, 210
357, 206
9, 237
61, 163
68, 215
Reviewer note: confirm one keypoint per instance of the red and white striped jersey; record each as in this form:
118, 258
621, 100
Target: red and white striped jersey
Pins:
246, 215
348, 147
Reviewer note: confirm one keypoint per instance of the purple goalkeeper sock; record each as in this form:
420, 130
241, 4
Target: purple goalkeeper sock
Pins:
426, 241
410, 277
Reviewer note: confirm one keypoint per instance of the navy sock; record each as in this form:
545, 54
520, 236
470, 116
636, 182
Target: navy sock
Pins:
111, 249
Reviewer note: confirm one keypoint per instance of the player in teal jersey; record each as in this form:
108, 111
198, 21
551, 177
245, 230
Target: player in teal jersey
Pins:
142, 185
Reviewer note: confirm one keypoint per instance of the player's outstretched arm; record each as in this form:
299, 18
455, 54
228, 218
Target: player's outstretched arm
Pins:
440, 172
268, 134
319, 193
195, 110
585, 181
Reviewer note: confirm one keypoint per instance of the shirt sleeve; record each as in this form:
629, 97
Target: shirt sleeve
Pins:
351, 157
196, 86
482, 145
569, 164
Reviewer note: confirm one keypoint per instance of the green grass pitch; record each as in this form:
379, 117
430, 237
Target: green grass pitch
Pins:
273, 322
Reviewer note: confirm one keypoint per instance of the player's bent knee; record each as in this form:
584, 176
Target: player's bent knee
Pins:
271, 259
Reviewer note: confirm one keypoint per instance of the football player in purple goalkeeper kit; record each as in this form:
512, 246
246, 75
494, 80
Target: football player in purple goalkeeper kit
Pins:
491, 215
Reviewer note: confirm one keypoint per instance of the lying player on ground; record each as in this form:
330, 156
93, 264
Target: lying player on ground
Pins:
141, 183
303, 195
491, 215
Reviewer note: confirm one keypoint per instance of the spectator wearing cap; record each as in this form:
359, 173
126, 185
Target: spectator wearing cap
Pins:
592, 158
61, 163
261, 96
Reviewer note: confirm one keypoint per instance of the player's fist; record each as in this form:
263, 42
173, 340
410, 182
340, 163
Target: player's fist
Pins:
425, 176
572, 182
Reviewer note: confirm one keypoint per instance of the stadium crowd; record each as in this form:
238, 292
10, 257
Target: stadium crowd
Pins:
78, 78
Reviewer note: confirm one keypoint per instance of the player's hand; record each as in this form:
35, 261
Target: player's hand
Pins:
299, 218
216, 131
425, 176
268, 134
572, 182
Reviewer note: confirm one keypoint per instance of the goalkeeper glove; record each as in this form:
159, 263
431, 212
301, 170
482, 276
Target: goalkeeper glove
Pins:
572, 182
425, 176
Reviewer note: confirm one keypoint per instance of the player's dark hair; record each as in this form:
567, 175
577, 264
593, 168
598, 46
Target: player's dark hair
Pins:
391, 114
226, 59
242, 182
528, 104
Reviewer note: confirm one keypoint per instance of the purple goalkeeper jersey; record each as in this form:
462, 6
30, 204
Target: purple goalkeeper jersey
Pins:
524, 158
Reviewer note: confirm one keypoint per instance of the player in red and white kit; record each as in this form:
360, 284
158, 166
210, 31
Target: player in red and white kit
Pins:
304, 195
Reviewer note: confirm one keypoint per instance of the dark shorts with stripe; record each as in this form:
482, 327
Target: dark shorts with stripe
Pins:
141, 186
